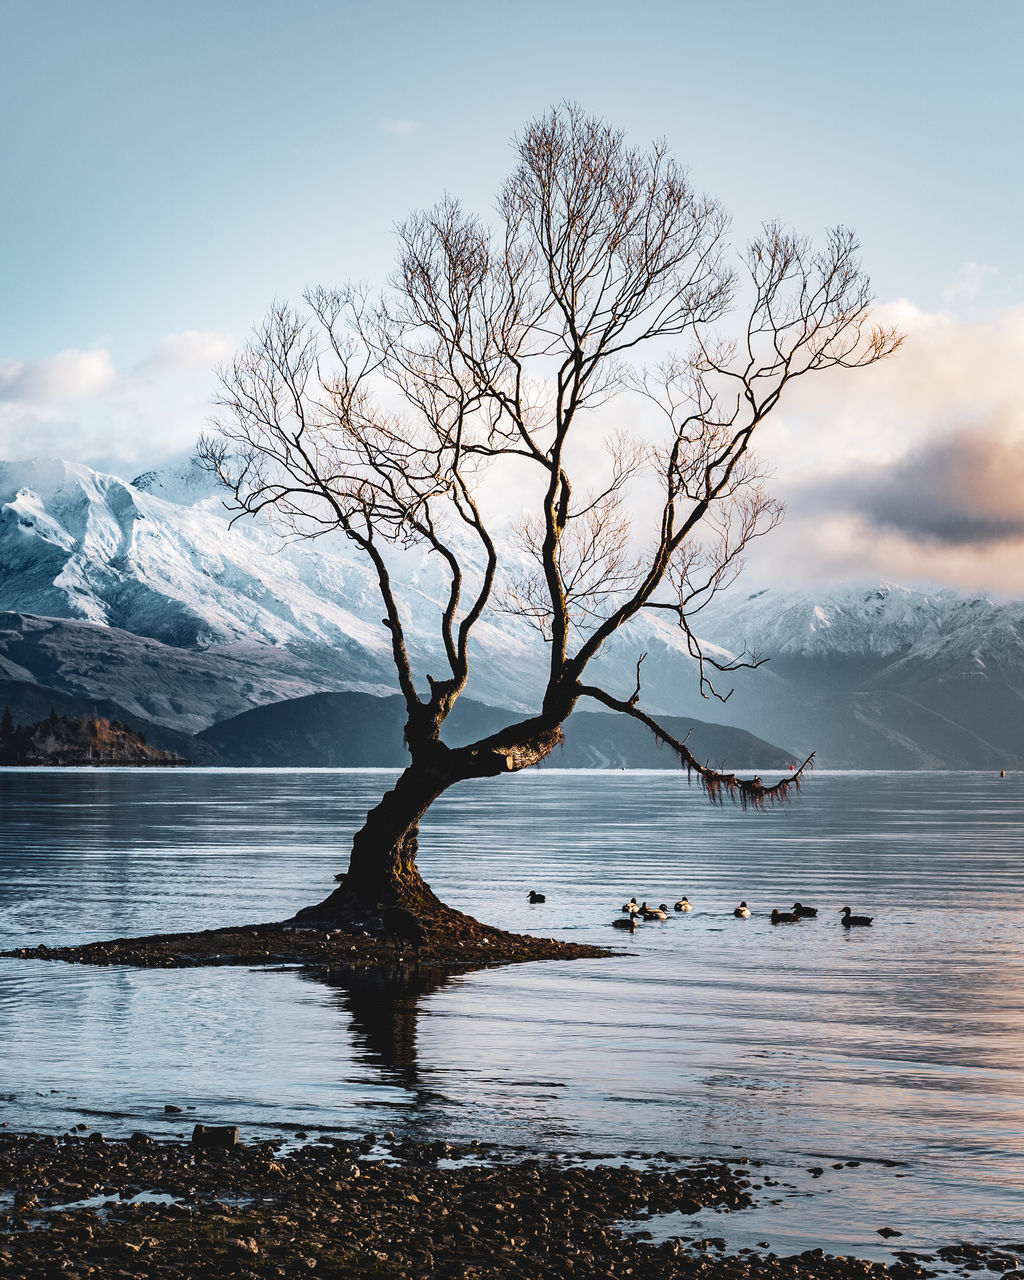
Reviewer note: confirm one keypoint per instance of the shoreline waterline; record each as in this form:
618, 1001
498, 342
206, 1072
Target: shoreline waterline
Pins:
388, 1207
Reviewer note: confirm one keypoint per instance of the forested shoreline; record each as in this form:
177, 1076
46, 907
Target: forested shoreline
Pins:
75, 741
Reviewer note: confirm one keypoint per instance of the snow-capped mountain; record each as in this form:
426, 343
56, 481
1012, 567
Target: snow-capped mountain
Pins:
75, 543
887, 621
158, 558
886, 677
157, 602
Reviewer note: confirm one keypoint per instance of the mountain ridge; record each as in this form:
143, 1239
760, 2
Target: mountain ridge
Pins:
95, 571
349, 730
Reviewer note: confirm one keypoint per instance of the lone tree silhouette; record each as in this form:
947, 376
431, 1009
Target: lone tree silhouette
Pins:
497, 353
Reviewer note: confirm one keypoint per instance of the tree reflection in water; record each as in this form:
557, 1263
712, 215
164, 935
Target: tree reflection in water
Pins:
383, 1004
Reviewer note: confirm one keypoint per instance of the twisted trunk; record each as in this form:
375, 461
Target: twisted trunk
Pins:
382, 869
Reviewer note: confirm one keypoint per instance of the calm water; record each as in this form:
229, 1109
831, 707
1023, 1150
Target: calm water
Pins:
900, 1047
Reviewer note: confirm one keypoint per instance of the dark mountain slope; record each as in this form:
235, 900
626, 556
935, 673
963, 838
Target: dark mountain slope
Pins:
351, 730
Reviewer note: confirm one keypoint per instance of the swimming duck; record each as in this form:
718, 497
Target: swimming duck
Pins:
783, 917
652, 913
537, 897
684, 904
805, 913
630, 922
742, 912
854, 922
632, 906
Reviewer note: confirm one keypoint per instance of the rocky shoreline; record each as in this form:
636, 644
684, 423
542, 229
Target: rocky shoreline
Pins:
80, 1205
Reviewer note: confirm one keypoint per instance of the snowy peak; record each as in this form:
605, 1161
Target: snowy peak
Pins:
62, 529
78, 544
887, 621
184, 485
884, 678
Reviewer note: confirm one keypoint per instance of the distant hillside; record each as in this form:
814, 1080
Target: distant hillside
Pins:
30, 702
605, 740
184, 689
881, 678
140, 599
88, 740
352, 730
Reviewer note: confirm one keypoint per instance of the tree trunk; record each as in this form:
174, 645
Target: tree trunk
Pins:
382, 868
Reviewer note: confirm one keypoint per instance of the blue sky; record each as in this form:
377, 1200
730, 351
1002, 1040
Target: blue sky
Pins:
170, 168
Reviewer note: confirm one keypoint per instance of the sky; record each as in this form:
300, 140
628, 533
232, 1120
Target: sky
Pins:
169, 168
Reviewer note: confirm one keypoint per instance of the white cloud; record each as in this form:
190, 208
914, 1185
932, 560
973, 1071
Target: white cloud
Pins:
79, 405
968, 282
68, 375
947, 373
189, 352
399, 128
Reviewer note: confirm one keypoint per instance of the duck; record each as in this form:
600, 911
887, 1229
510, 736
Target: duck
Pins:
632, 906
652, 913
684, 904
805, 913
537, 897
742, 912
630, 922
854, 922
783, 917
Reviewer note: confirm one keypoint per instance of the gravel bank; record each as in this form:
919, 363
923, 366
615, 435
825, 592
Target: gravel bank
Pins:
344, 1208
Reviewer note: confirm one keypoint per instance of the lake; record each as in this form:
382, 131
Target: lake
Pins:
895, 1052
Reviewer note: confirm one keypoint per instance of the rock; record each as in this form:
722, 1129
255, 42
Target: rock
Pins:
214, 1137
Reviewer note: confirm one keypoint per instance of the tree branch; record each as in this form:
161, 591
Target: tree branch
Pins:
718, 786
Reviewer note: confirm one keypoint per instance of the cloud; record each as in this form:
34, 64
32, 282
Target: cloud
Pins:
399, 128
968, 282
189, 352
912, 470
947, 373
68, 375
962, 489
79, 405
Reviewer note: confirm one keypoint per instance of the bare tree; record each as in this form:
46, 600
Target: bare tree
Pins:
387, 417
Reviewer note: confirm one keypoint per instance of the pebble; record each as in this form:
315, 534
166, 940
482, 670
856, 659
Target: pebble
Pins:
248, 1212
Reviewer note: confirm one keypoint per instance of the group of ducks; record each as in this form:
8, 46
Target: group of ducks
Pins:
633, 909
633, 912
